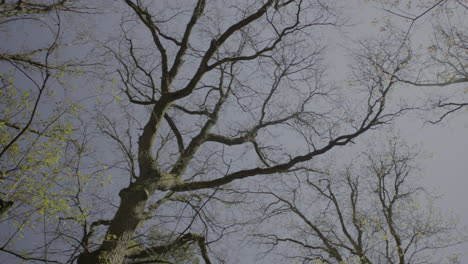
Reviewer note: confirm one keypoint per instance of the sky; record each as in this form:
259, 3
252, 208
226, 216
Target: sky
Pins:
446, 144
445, 168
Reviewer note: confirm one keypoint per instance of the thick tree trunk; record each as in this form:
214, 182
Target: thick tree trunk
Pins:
132, 199
122, 228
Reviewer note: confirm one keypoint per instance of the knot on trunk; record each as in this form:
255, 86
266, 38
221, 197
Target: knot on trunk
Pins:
134, 192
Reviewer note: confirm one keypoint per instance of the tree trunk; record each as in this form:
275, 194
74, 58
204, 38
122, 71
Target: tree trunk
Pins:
122, 228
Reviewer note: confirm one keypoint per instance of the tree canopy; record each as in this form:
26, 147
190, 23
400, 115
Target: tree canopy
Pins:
161, 131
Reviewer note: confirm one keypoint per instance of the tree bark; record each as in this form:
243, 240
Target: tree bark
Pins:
132, 199
122, 228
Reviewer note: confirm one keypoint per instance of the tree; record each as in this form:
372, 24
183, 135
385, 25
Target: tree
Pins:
15, 9
231, 78
206, 98
41, 145
373, 212
439, 62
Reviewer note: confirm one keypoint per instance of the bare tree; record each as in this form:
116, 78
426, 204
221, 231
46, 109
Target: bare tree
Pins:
439, 62
207, 97
221, 99
371, 213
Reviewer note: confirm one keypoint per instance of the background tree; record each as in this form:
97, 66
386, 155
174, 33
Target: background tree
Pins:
373, 212
439, 63
42, 141
14, 9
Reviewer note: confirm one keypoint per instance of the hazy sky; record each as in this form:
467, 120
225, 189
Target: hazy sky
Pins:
445, 170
